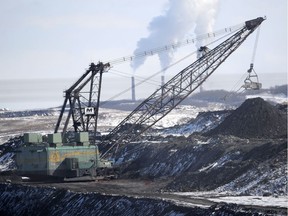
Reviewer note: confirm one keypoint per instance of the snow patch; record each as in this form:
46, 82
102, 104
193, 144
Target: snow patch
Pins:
254, 200
7, 162
204, 122
280, 201
278, 98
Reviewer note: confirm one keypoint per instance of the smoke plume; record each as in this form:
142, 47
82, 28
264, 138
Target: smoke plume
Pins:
179, 19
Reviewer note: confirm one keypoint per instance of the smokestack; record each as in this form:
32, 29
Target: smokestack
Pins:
133, 88
162, 80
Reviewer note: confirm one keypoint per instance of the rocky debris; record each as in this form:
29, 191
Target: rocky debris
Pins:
222, 163
201, 164
282, 107
7, 149
11, 145
233, 209
254, 169
255, 118
7, 162
48, 201
27, 200
128, 126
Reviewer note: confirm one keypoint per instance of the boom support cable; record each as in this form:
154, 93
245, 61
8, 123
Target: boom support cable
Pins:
174, 46
166, 98
229, 31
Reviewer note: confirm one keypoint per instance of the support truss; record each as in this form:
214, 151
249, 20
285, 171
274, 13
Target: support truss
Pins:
166, 98
82, 101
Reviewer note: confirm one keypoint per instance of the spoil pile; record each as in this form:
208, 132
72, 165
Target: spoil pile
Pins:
255, 118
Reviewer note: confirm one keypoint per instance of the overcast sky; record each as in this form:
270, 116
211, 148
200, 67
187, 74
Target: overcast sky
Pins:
59, 38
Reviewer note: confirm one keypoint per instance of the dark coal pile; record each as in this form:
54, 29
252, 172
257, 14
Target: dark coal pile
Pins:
47, 201
197, 163
7, 155
255, 118
248, 169
11, 145
23, 200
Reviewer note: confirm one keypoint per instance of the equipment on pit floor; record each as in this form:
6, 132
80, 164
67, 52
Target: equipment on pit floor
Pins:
75, 154
43, 156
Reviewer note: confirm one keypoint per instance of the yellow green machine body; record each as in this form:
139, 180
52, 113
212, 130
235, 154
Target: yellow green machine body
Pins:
50, 157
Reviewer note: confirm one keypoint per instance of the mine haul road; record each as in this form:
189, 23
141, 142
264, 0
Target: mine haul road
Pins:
137, 188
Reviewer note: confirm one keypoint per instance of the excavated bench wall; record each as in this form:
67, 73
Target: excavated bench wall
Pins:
23, 200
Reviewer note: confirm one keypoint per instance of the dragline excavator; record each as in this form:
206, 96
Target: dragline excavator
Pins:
75, 154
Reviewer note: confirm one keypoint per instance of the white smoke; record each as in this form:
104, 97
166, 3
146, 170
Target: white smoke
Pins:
180, 18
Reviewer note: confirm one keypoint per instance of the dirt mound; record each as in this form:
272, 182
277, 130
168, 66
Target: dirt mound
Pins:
255, 118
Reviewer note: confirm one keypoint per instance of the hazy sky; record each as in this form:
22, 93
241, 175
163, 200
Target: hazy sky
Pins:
60, 38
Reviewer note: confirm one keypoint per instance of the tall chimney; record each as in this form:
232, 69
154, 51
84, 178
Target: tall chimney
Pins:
162, 80
133, 88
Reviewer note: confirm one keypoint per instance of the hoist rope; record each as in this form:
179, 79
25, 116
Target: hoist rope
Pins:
148, 78
232, 91
139, 78
256, 44
174, 46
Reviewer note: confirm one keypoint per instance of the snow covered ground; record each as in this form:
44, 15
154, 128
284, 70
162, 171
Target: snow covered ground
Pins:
278, 98
15, 126
7, 162
269, 201
22, 122
184, 113
254, 201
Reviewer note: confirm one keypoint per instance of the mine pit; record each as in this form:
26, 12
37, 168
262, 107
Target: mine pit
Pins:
163, 157
162, 171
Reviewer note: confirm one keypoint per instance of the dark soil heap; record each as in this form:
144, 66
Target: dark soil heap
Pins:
255, 118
